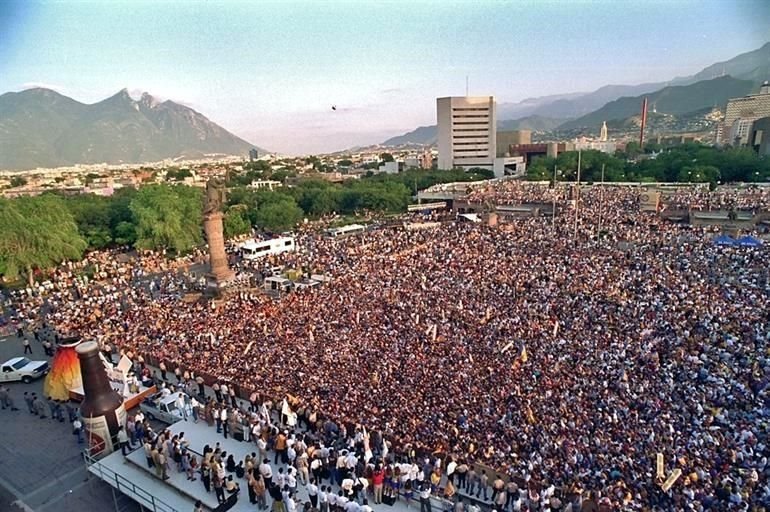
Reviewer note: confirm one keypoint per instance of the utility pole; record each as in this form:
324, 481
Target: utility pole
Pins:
601, 205
553, 210
577, 198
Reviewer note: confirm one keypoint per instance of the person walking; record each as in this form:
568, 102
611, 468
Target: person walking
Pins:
27, 347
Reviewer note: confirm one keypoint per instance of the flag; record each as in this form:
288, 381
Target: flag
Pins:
530, 416
524, 357
555, 328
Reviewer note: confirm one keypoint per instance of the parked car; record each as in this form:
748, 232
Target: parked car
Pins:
162, 408
21, 368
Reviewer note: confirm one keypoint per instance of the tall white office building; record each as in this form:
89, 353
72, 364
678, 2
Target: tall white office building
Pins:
466, 132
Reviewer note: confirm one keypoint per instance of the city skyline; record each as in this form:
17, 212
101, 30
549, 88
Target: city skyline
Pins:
270, 72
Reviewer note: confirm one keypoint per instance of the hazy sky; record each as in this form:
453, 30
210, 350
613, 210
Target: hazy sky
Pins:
270, 71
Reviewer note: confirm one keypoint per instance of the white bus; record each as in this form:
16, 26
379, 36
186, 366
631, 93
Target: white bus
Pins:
349, 230
254, 249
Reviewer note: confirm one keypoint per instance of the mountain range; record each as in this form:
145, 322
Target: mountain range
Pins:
42, 128
574, 109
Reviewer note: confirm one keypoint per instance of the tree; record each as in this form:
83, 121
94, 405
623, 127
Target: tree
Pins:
38, 233
279, 216
174, 174
121, 219
386, 157
92, 216
18, 181
236, 221
167, 217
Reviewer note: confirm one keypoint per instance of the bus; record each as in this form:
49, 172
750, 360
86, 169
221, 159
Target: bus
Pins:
349, 230
254, 249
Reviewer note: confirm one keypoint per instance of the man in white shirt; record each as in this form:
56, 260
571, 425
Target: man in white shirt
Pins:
365, 507
425, 498
342, 500
223, 417
181, 405
266, 471
261, 443
450, 470
289, 503
312, 493
291, 481
323, 500
352, 506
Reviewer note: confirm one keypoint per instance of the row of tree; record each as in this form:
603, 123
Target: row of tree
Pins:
686, 163
41, 231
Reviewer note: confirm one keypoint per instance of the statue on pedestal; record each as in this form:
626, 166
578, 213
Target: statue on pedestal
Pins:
215, 195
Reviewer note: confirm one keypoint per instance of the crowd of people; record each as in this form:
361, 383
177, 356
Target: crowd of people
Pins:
564, 357
754, 199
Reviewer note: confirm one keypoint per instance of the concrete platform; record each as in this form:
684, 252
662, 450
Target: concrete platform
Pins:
131, 476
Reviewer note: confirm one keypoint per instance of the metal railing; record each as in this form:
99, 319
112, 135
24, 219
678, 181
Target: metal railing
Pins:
124, 485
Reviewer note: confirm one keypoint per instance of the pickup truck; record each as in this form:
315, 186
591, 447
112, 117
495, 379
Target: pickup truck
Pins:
21, 368
162, 408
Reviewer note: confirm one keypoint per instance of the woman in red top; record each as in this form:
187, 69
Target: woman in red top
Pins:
378, 480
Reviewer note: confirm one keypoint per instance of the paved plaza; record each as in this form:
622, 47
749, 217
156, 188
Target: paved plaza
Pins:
41, 467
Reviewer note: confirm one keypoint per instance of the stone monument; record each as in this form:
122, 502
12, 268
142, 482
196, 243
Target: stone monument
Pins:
219, 271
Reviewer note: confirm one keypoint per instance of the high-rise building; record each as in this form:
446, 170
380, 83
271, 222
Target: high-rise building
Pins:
603, 132
466, 132
253, 154
760, 136
512, 137
753, 106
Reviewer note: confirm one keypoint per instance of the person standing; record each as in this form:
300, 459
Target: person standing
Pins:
378, 481
77, 429
4, 396
123, 441
27, 347
223, 417
323, 499
28, 400
206, 475
312, 493
198, 506
219, 489
425, 497
261, 491
148, 454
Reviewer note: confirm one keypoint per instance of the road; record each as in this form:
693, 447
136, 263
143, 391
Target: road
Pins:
42, 469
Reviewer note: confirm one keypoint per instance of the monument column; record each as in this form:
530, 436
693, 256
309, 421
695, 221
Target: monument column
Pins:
214, 229
219, 271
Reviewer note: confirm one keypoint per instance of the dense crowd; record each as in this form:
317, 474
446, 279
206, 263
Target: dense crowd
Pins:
562, 357
754, 199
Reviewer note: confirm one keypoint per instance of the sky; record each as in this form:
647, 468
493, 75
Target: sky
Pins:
270, 71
